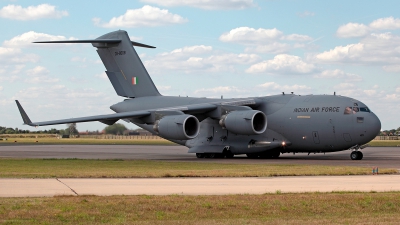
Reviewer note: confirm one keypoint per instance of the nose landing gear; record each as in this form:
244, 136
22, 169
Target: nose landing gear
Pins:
356, 155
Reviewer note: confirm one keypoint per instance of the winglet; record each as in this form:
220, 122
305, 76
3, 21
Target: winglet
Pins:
24, 116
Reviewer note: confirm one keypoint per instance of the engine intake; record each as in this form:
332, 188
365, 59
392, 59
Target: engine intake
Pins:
246, 122
179, 127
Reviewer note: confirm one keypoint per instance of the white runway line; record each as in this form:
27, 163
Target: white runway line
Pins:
196, 186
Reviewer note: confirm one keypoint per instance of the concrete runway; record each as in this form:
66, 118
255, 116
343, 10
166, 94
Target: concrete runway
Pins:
195, 186
383, 157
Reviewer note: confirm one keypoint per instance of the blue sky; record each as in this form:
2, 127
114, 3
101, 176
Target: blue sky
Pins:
234, 48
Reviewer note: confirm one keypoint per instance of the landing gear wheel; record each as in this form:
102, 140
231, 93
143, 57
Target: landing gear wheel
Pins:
360, 155
211, 155
356, 155
200, 155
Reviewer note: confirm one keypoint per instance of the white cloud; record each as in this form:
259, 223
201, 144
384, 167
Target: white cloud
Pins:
205, 4
16, 12
147, 16
248, 35
264, 40
388, 23
191, 59
297, 37
352, 30
284, 88
190, 50
1, 88
380, 48
370, 92
338, 74
283, 64
163, 88
39, 75
398, 89
391, 68
274, 48
15, 56
26, 39
217, 92
134, 38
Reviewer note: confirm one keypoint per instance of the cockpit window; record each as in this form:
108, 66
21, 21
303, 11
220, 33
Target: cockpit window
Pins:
364, 109
354, 110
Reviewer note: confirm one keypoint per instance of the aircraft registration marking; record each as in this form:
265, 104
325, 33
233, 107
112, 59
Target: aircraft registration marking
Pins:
120, 53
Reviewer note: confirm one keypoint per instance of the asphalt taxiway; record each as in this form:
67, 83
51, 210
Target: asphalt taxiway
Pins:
383, 157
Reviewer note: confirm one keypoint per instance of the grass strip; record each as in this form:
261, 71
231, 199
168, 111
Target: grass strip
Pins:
86, 141
385, 143
89, 168
307, 208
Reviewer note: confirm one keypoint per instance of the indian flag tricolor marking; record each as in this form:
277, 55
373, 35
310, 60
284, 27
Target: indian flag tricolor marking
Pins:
134, 80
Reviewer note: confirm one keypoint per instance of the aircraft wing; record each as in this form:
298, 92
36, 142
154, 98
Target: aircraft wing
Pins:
107, 119
110, 119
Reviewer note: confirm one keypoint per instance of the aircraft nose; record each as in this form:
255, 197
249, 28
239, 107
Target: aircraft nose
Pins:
375, 124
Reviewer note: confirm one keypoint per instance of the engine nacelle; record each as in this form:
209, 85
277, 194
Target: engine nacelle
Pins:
245, 122
178, 127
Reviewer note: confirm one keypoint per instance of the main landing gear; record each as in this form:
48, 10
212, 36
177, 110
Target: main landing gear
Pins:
356, 155
215, 155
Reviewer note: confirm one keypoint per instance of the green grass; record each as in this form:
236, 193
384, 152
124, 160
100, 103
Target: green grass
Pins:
81, 168
385, 143
86, 141
305, 208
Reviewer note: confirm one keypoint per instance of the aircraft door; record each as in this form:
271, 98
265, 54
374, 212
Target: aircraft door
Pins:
210, 133
315, 137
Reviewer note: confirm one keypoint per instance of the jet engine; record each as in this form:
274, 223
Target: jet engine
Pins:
178, 127
245, 122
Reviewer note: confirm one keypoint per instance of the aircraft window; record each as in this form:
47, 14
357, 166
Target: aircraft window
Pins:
355, 109
360, 119
364, 109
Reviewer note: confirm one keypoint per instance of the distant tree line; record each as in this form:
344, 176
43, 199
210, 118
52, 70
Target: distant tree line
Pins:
390, 132
71, 129
9, 130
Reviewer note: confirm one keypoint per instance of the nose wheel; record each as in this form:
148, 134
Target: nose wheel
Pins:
356, 155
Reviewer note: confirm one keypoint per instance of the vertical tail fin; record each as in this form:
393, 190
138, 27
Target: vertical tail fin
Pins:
124, 67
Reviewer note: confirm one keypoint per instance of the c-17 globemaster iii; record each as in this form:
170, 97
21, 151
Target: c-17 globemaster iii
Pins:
214, 128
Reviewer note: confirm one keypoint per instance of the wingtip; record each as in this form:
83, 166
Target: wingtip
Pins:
24, 116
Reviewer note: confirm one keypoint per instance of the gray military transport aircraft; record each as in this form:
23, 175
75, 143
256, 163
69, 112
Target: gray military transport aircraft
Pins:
216, 128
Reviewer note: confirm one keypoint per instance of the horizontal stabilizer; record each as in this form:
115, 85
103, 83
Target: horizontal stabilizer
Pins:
109, 41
